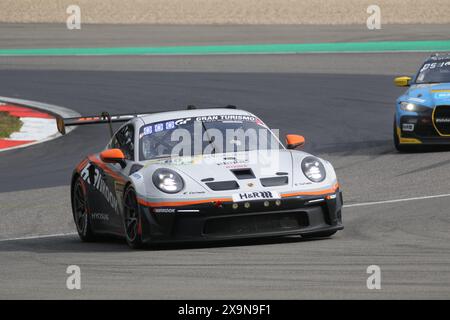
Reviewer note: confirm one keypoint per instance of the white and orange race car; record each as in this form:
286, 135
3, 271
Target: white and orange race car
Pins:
201, 174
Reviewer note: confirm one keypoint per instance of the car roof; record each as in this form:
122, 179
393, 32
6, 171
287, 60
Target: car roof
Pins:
170, 115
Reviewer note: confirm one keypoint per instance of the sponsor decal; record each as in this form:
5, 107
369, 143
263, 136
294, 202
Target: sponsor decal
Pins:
169, 125
148, 130
159, 127
172, 124
176, 160
100, 216
302, 183
182, 121
408, 127
416, 100
442, 120
434, 65
185, 160
236, 166
194, 192
137, 176
439, 58
442, 95
100, 185
256, 195
226, 117
164, 210
232, 162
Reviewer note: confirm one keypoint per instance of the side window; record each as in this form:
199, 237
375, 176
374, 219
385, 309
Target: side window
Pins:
124, 140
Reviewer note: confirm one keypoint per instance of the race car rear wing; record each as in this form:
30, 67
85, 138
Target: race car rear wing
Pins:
105, 117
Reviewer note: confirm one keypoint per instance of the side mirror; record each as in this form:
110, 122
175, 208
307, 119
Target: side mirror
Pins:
402, 81
113, 156
294, 141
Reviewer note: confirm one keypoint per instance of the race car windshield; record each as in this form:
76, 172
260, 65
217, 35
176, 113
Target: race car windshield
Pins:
205, 135
434, 72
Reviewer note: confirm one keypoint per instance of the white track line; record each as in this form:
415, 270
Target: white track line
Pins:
40, 237
396, 200
345, 206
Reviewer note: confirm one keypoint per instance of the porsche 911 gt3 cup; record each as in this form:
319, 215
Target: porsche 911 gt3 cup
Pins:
201, 174
423, 111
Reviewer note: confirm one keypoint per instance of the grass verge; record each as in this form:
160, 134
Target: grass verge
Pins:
8, 124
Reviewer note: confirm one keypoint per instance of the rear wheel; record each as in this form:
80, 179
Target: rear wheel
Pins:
80, 210
132, 219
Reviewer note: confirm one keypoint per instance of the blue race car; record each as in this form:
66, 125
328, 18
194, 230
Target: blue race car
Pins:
422, 114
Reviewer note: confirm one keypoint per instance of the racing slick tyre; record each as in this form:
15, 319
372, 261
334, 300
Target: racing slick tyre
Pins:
321, 234
132, 219
80, 210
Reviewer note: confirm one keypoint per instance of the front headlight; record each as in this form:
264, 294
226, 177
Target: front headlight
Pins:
313, 169
408, 106
167, 181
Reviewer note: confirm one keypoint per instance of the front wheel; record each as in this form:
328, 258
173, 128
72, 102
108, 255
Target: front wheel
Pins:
132, 219
80, 210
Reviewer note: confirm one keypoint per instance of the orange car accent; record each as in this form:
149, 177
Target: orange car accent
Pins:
181, 203
312, 193
88, 119
112, 155
102, 165
294, 140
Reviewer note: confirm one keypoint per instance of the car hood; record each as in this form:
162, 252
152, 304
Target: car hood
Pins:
429, 94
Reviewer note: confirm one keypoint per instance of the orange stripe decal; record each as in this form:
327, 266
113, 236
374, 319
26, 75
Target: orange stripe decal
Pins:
312, 193
181, 203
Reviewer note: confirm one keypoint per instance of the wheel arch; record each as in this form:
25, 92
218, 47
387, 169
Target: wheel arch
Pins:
75, 176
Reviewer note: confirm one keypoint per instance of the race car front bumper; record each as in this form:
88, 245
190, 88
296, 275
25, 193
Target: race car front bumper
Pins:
297, 215
421, 129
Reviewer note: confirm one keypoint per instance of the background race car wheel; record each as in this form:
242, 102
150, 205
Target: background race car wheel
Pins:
322, 234
80, 210
132, 219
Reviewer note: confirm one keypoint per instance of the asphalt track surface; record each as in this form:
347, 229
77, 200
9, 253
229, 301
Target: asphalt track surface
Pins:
346, 118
